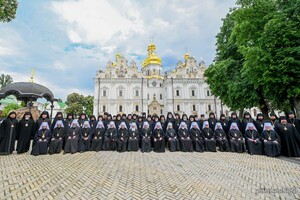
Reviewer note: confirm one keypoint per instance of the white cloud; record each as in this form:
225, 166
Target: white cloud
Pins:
9, 47
67, 41
4, 51
74, 37
95, 21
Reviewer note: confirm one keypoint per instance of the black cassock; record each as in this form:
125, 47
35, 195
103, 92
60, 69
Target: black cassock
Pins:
122, 138
158, 140
85, 139
259, 124
209, 140
25, 134
221, 140
8, 133
67, 124
41, 142
253, 142
290, 140
225, 126
271, 143
212, 123
197, 139
185, 140
295, 123
139, 125
172, 140
72, 137
97, 139
236, 141
110, 139
146, 140
133, 140
56, 141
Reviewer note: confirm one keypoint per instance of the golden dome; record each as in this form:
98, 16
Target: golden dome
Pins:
186, 56
152, 57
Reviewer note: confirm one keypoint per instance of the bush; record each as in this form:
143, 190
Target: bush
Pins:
10, 107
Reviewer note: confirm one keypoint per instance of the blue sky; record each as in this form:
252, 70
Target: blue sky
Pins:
66, 42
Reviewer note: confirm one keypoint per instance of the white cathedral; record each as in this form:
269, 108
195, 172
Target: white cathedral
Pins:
123, 88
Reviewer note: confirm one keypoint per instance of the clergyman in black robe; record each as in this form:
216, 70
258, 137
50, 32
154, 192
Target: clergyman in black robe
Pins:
158, 138
177, 121
58, 116
225, 123
221, 138
289, 138
25, 133
246, 119
98, 137
293, 120
82, 118
68, 121
271, 141
122, 137
184, 138
72, 137
41, 140
93, 122
110, 137
85, 137
146, 138
212, 120
236, 138
253, 140
209, 137
8, 132
57, 137
170, 119
171, 136
133, 138
44, 117
259, 122
197, 137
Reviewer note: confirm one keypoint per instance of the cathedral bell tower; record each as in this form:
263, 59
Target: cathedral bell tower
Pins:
152, 66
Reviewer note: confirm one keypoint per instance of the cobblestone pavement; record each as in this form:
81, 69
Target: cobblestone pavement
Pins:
136, 175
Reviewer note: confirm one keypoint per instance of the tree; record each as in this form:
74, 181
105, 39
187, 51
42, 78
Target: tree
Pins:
5, 80
264, 33
8, 9
10, 107
78, 104
45, 105
225, 75
273, 60
89, 104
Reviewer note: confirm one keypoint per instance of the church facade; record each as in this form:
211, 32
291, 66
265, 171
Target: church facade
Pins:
123, 88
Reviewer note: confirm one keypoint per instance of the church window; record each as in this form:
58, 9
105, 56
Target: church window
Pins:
194, 107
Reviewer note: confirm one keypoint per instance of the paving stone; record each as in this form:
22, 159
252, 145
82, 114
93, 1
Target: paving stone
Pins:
136, 175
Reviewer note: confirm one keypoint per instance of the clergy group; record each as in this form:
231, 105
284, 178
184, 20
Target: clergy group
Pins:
146, 133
